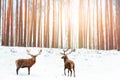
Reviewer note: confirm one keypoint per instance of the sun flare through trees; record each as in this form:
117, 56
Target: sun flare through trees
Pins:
93, 24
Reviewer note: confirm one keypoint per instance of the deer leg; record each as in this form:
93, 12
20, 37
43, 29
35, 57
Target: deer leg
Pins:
17, 70
28, 70
71, 72
74, 71
64, 72
68, 72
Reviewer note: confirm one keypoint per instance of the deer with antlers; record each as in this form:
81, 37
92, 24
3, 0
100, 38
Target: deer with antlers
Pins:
68, 64
26, 63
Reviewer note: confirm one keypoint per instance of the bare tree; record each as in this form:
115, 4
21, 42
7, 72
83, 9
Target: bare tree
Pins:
11, 31
97, 12
80, 24
60, 24
17, 25
85, 28
46, 23
8, 22
101, 37
114, 28
0, 16
106, 24
110, 25
118, 23
25, 21
34, 22
4, 23
39, 26
88, 23
29, 25
69, 25
55, 27
20, 25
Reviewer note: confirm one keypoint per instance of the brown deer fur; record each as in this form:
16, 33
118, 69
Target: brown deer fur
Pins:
68, 64
28, 63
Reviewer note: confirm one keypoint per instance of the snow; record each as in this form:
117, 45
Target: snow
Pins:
89, 64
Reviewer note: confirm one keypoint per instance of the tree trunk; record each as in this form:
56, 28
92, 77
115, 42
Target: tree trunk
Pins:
8, 22
60, 24
89, 28
118, 23
20, 26
11, 35
110, 26
55, 28
46, 23
69, 25
40, 27
80, 24
106, 25
25, 22
0, 17
4, 24
29, 25
34, 23
97, 12
101, 37
17, 25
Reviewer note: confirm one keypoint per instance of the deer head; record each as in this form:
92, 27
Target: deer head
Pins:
65, 57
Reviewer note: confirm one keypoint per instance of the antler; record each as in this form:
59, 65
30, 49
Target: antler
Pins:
28, 52
64, 51
39, 52
72, 50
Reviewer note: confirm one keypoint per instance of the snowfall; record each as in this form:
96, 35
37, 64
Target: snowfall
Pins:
89, 64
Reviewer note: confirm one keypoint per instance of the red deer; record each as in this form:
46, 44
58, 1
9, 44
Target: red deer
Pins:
26, 63
68, 64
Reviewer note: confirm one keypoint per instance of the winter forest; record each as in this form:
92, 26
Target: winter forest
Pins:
42, 39
92, 24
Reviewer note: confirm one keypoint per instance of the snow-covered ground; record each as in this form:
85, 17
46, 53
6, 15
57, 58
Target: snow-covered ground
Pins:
89, 64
